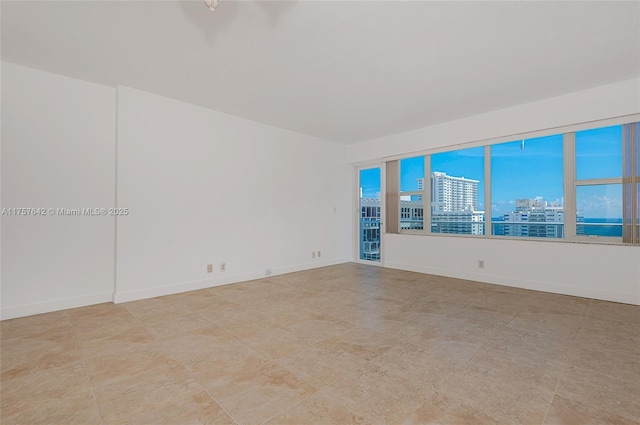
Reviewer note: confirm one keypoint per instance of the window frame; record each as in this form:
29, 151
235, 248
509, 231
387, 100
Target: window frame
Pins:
571, 183
489, 172
426, 185
571, 187
429, 207
358, 167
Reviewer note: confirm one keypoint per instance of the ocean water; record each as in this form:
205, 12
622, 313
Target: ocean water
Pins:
611, 227
606, 227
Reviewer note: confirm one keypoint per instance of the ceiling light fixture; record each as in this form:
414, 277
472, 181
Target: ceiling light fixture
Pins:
212, 4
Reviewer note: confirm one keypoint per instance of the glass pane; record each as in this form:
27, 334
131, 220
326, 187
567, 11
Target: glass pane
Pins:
599, 210
412, 174
370, 214
411, 213
457, 192
599, 153
527, 188
412, 206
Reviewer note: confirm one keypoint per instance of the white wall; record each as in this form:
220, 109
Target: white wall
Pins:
593, 271
58, 151
204, 187
599, 271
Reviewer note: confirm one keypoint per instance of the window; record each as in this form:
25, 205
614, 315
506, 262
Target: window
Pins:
412, 191
599, 153
599, 210
579, 185
457, 192
527, 188
599, 182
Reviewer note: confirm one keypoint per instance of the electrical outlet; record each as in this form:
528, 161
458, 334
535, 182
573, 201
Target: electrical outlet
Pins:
481, 264
313, 254
223, 267
319, 254
209, 268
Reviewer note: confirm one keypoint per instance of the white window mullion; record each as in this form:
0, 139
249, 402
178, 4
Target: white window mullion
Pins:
426, 197
594, 182
630, 181
488, 226
570, 208
392, 199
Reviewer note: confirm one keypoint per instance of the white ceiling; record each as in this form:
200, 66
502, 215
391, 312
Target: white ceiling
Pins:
339, 70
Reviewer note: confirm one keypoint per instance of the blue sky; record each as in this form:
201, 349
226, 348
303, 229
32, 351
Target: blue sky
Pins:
595, 157
535, 171
599, 155
370, 182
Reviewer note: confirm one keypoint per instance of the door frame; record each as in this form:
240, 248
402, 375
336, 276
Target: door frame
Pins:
356, 208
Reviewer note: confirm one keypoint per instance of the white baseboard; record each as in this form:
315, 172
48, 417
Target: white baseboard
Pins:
54, 305
120, 297
86, 300
552, 287
141, 294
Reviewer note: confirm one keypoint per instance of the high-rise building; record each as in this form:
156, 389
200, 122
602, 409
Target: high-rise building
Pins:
449, 193
458, 222
534, 218
411, 214
454, 204
370, 229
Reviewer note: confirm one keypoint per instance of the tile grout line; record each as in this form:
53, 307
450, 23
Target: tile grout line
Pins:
162, 344
610, 377
237, 422
555, 392
570, 348
291, 407
164, 347
84, 368
604, 374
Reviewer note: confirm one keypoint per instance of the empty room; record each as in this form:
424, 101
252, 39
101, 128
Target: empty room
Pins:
320, 212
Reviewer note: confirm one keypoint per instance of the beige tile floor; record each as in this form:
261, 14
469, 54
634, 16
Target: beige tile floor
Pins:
347, 344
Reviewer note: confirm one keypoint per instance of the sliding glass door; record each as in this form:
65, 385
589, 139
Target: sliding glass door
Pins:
369, 214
